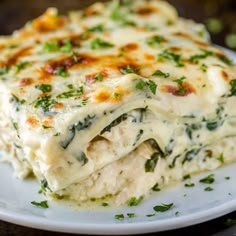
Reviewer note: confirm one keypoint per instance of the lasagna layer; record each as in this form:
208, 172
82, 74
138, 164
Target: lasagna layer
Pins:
115, 99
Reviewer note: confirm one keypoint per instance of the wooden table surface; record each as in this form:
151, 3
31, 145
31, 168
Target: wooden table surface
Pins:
12, 18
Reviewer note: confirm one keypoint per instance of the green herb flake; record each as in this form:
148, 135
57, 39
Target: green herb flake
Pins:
163, 207
156, 188
71, 93
17, 100
19, 66
99, 43
150, 215
131, 215
151, 163
45, 88
225, 59
189, 185
134, 201
140, 84
97, 28
161, 74
208, 180
99, 77
167, 55
227, 178
105, 204
221, 158
208, 189
152, 86
43, 204
203, 68
188, 176
116, 12
129, 70
51, 46
203, 55
66, 47
4, 70
119, 216
61, 71
232, 83
155, 40
45, 103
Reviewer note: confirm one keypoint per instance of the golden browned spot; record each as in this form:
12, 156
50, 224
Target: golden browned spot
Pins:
201, 43
32, 122
25, 82
91, 78
90, 11
182, 35
149, 56
184, 90
146, 10
225, 75
129, 47
58, 105
48, 21
48, 121
103, 96
66, 63
175, 49
14, 58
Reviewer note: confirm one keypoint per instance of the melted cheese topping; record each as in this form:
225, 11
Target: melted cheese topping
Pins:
87, 93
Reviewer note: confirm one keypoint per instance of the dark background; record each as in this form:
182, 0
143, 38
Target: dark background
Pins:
218, 15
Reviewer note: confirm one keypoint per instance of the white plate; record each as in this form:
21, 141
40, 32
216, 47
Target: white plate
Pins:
193, 204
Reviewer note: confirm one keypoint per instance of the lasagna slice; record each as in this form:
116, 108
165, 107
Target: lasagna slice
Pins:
115, 100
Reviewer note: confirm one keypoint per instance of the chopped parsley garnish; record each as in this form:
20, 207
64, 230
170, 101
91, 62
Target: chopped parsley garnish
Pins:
150, 215
141, 85
139, 135
179, 81
205, 53
227, 177
99, 43
155, 40
135, 201
45, 88
167, 55
232, 83
51, 46
116, 12
19, 66
116, 95
221, 158
61, 71
212, 125
189, 185
105, 204
43, 204
151, 163
208, 189
187, 177
44, 186
208, 180
129, 70
44, 103
131, 215
17, 100
161, 74
96, 28
203, 67
71, 93
224, 59
99, 77
71, 134
66, 46
119, 216
156, 188
163, 207
4, 70
54, 46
